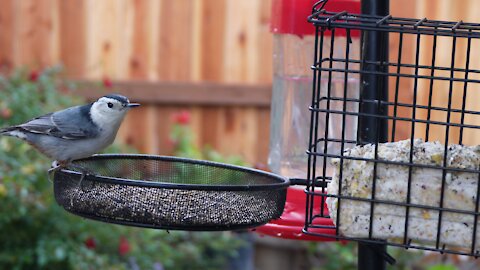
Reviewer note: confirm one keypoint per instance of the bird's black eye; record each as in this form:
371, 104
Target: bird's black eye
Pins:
110, 105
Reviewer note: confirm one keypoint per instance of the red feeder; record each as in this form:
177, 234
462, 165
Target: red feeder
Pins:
292, 91
291, 223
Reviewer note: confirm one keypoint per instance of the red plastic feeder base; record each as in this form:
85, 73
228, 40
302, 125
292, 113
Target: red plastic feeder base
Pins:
292, 221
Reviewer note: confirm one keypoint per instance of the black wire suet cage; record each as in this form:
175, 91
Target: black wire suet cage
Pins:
430, 96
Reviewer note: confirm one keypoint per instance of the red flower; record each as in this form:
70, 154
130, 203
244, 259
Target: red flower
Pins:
6, 113
107, 83
123, 246
182, 118
90, 243
33, 77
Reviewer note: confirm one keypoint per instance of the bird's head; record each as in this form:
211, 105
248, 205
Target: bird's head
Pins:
110, 109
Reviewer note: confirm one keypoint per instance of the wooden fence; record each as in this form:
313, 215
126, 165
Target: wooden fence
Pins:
210, 57
179, 46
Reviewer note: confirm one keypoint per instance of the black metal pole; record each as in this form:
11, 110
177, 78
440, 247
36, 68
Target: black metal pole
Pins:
372, 86
371, 256
372, 129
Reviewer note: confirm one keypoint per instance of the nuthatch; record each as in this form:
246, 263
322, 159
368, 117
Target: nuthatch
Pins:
76, 132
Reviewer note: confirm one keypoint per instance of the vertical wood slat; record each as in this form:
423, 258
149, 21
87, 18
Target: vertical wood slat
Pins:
72, 37
262, 136
175, 38
35, 33
6, 34
138, 61
139, 129
239, 54
108, 32
213, 30
265, 44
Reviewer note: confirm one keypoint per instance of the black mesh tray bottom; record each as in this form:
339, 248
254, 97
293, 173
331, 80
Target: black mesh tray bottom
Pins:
132, 203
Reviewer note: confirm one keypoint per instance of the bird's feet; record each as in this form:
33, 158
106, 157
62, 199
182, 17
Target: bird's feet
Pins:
58, 165
84, 171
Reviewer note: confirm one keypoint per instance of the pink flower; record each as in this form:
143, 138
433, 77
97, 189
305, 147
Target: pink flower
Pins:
182, 118
90, 243
123, 246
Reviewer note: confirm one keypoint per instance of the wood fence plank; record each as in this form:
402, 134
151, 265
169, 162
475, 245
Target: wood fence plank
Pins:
263, 136
139, 59
7, 34
213, 31
35, 34
264, 44
72, 37
136, 129
108, 27
164, 119
175, 52
239, 39
210, 118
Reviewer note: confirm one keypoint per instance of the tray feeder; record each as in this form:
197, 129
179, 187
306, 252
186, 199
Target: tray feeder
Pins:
170, 193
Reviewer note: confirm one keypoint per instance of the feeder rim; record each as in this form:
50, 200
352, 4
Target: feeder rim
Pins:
282, 183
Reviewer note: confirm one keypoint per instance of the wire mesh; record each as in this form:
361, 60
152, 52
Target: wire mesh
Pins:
170, 193
420, 189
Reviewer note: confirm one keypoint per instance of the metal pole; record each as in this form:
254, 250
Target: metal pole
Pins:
370, 256
374, 87
371, 129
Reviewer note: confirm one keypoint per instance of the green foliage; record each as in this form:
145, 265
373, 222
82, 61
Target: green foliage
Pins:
442, 267
36, 233
333, 255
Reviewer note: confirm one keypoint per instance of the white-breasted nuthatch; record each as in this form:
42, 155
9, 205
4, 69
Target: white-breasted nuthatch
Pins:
76, 132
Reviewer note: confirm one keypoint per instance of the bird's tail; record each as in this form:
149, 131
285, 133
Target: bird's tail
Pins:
6, 131
14, 131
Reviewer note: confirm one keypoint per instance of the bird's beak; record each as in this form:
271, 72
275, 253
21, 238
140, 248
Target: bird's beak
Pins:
132, 105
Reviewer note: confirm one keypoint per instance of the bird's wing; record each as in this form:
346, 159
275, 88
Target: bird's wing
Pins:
72, 123
41, 125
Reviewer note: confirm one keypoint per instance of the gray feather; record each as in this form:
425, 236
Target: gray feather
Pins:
72, 123
6, 130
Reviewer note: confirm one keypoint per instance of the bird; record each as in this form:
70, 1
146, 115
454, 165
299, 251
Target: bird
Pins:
76, 132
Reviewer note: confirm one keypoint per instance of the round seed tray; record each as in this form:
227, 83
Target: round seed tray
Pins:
170, 193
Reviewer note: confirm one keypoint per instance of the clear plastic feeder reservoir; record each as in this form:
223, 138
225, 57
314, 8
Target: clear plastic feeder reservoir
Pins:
293, 57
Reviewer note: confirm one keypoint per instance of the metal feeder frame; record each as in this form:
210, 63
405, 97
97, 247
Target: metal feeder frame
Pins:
373, 116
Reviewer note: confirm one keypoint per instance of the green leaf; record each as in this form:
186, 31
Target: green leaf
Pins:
442, 267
